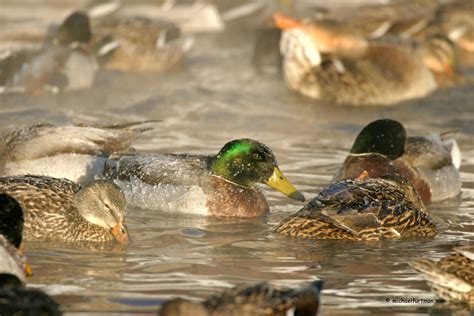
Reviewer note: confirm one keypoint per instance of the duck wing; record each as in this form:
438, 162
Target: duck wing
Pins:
44, 140
264, 299
156, 169
427, 152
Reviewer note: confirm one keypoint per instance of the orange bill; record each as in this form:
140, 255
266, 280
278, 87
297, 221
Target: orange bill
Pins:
363, 175
285, 22
120, 233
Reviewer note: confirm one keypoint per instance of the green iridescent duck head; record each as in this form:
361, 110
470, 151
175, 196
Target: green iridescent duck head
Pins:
385, 137
246, 162
76, 28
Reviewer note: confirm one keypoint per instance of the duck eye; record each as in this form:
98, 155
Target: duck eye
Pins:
257, 156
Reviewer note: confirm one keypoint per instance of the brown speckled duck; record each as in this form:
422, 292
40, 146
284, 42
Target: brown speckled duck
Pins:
429, 163
138, 44
61, 210
452, 276
362, 209
259, 300
326, 60
220, 185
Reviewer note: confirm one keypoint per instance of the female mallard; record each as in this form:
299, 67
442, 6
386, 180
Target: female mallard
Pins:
138, 44
221, 185
429, 163
13, 266
362, 209
65, 64
353, 70
453, 276
76, 152
58, 209
261, 299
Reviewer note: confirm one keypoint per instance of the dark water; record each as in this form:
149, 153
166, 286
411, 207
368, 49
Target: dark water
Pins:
216, 97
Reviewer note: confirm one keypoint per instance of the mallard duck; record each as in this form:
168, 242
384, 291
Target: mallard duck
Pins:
59, 209
326, 60
362, 209
221, 184
429, 163
13, 265
452, 276
66, 64
138, 44
22, 301
76, 152
261, 299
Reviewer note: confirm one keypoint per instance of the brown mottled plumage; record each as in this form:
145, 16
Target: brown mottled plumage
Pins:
260, 300
353, 70
142, 44
366, 209
452, 276
56, 209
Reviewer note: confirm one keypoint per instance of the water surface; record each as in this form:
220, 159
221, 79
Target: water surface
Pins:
216, 97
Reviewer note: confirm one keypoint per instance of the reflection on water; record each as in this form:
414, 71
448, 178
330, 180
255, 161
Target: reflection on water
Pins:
216, 98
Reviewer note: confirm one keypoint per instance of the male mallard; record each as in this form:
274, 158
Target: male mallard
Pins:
221, 185
12, 264
138, 44
59, 209
25, 301
76, 152
66, 64
429, 163
260, 300
453, 276
362, 209
353, 69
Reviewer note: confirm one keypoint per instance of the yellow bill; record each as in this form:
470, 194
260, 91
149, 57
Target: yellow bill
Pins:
28, 271
279, 183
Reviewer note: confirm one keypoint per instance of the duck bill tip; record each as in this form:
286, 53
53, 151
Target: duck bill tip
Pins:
285, 22
278, 182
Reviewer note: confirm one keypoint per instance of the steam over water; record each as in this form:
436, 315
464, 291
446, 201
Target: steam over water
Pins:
217, 96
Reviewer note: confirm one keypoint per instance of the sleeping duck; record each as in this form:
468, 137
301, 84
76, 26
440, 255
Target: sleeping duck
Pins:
430, 163
76, 152
362, 209
222, 184
65, 64
326, 60
452, 276
261, 300
61, 210
13, 265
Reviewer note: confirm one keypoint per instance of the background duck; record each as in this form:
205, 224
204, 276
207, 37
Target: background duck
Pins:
12, 264
138, 44
362, 209
452, 277
221, 185
76, 152
430, 163
353, 70
260, 299
59, 209
66, 64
